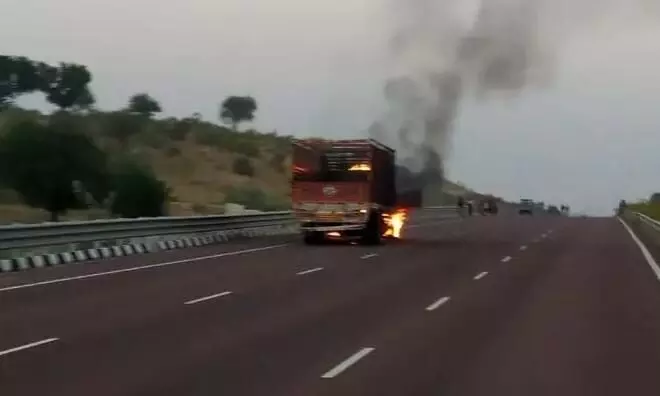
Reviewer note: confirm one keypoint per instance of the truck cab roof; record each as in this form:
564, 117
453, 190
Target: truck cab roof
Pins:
345, 144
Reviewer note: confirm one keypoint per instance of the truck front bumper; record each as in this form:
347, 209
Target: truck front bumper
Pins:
332, 228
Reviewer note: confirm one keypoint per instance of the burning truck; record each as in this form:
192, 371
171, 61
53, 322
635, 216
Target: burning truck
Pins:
346, 189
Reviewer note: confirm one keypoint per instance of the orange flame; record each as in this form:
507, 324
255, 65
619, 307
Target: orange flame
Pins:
395, 222
360, 167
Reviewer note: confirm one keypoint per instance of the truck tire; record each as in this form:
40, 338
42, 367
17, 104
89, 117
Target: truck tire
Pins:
312, 237
373, 231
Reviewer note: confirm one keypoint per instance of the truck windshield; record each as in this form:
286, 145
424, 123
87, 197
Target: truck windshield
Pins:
330, 165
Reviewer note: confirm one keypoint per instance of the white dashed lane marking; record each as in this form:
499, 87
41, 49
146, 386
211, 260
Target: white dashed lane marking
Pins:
481, 275
27, 346
438, 303
226, 293
309, 271
341, 367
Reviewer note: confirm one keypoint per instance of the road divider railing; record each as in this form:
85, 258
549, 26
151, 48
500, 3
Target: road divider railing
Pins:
652, 223
645, 227
24, 246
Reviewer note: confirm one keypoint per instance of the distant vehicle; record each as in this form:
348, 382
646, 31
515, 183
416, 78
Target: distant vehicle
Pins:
526, 207
553, 210
489, 206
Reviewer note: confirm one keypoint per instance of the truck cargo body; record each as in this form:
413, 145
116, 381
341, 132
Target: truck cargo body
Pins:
343, 188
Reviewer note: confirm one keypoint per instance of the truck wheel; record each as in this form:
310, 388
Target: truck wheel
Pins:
313, 237
373, 232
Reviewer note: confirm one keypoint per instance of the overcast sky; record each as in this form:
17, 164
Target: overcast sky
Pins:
589, 137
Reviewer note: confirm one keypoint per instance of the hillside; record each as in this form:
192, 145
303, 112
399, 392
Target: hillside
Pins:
204, 164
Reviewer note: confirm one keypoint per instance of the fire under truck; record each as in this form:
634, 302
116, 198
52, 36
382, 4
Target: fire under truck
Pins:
346, 189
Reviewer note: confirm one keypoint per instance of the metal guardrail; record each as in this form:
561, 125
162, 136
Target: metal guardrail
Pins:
27, 236
655, 224
22, 236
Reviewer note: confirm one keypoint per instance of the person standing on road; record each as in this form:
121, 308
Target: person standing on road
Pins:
622, 206
461, 205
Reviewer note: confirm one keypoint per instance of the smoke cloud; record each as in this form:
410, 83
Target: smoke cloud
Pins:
445, 50
442, 53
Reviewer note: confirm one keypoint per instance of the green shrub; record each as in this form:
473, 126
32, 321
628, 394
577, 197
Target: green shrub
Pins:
8, 196
242, 166
228, 140
277, 162
177, 130
209, 137
255, 198
152, 138
138, 192
199, 208
173, 152
650, 209
244, 146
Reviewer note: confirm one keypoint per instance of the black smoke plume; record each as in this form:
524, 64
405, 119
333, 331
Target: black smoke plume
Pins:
441, 58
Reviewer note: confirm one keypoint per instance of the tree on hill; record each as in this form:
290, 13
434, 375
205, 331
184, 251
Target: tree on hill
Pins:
255, 198
236, 109
66, 84
144, 105
51, 166
18, 75
85, 101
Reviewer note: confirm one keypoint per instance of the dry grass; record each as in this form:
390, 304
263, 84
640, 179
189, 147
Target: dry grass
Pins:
650, 209
201, 175
16, 213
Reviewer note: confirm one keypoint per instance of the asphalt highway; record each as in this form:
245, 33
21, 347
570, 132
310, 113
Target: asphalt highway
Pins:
501, 305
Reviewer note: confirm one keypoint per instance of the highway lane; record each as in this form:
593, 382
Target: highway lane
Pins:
118, 264
117, 329
106, 285
283, 328
577, 314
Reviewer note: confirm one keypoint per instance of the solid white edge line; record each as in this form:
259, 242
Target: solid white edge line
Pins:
165, 264
309, 271
341, 367
27, 346
480, 275
645, 251
506, 259
225, 293
438, 303
370, 255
